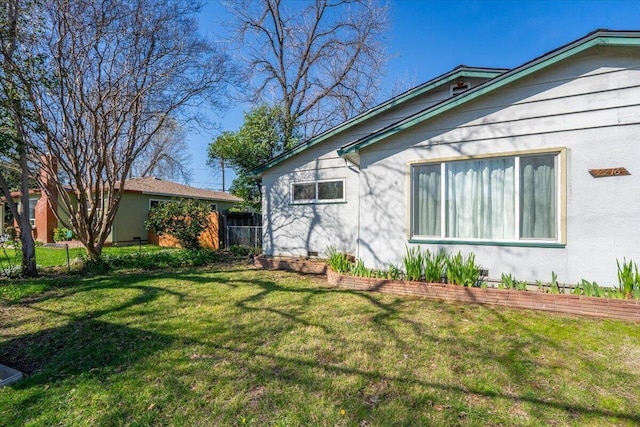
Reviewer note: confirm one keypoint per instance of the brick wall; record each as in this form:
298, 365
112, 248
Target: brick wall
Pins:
571, 304
292, 264
46, 220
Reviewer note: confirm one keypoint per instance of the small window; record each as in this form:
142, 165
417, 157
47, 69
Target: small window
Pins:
331, 190
304, 192
154, 203
318, 191
32, 210
214, 207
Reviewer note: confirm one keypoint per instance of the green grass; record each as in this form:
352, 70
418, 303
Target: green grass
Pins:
51, 257
228, 345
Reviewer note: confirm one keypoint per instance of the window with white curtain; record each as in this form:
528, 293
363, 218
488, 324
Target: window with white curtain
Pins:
510, 198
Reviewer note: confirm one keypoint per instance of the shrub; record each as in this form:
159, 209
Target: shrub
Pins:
61, 234
184, 219
152, 260
12, 234
243, 251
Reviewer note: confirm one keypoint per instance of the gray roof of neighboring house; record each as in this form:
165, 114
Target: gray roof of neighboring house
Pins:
157, 186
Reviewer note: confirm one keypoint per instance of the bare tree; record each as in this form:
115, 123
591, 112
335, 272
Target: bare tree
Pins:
14, 125
321, 60
166, 156
116, 72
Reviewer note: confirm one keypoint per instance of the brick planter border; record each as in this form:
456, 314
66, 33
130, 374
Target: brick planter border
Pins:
299, 265
628, 310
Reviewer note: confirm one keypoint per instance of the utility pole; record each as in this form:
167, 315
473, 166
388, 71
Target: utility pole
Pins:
222, 169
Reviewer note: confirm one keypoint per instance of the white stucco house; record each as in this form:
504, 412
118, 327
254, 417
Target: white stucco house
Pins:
534, 169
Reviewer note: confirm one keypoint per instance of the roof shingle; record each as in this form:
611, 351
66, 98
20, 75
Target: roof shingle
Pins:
152, 185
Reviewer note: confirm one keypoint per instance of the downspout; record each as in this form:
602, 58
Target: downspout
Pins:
350, 164
358, 220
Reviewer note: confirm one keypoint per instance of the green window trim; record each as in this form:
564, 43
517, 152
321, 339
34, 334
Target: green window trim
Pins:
520, 243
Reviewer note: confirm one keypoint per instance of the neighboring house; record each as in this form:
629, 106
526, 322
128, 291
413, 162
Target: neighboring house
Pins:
526, 168
139, 195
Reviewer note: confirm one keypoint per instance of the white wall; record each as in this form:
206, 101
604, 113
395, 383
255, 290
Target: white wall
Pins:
589, 104
295, 230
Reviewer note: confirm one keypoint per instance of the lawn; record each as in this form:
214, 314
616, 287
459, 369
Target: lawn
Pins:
50, 256
230, 345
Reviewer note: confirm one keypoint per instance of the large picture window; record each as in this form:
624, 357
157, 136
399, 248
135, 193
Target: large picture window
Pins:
510, 198
318, 191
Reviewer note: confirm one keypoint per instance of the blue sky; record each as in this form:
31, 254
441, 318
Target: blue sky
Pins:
428, 38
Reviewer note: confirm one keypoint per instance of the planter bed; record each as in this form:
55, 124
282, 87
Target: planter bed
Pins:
560, 303
300, 265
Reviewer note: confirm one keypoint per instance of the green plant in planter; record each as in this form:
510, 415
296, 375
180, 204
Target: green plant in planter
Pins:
509, 282
359, 270
434, 266
629, 279
339, 261
413, 261
553, 286
463, 271
394, 272
589, 289
614, 293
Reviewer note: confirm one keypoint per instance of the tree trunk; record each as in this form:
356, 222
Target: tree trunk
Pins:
93, 253
28, 248
26, 238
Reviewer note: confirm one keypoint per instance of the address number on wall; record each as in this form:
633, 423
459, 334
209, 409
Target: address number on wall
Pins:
601, 173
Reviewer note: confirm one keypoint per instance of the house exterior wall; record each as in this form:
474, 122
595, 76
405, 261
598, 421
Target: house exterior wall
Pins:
298, 229
587, 105
302, 229
133, 211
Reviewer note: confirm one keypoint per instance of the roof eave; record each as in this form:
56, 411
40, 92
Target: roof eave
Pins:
594, 39
461, 71
155, 193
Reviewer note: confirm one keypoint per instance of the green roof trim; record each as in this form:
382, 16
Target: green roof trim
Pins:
593, 39
456, 73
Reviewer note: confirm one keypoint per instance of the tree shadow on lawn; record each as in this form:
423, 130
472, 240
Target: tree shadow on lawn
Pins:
83, 346
513, 354
91, 349
30, 352
301, 373
87, 346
